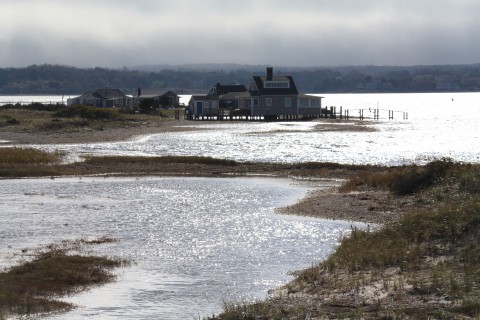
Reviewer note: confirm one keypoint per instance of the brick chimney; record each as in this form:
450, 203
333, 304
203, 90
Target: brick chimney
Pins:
269, 73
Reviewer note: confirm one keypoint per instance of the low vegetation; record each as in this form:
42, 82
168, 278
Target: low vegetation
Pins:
26, 162
34, 287
23, 156
86, 112
160, 160
37, 117
425, 265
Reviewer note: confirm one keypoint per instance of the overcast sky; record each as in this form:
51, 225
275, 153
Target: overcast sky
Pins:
118, 33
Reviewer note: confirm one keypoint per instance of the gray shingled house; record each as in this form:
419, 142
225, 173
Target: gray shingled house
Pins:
102, 98
271, 97
159, 97
203, 105
227, 94
277, 97
219, 97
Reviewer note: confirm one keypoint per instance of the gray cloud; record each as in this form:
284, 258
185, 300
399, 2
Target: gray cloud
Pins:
116, 33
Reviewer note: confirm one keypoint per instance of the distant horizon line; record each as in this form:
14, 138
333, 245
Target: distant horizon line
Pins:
238, 66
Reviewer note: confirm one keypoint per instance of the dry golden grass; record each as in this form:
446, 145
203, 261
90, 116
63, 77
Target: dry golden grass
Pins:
425, 265
28, 156
33, 287
53, 118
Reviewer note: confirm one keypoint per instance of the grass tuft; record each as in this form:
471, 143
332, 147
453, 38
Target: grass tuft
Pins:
160, 160
31, 288
30, 156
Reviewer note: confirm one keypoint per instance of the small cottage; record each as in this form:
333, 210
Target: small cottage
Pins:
102, 98
227, 94
203, 105
165, 98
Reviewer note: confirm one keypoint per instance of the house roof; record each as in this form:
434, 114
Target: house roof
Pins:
155, 93
309, 96
261, 90
203, 97
107, 93
222, 89
104, 94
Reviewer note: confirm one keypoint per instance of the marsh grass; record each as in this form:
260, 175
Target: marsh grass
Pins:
28, 162
23, 119
33, 287
403, 180
87, 112
160, 160
428, 261
58, 118
28, 156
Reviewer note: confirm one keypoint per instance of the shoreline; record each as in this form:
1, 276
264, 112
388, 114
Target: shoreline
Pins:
325, 203
368, 206
127, 131
121, 133
321, 290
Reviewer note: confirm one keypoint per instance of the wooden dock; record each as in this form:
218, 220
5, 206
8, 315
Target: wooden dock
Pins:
327, 113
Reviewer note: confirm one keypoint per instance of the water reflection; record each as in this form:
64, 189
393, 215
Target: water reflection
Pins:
196, 242
437, 127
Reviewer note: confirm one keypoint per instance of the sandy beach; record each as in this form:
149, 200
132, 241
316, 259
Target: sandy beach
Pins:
91, 135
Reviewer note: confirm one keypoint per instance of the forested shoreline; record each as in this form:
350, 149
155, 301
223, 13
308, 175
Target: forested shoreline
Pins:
57, 79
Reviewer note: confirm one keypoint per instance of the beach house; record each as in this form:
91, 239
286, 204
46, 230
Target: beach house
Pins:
102, 98
162, 98
271, 97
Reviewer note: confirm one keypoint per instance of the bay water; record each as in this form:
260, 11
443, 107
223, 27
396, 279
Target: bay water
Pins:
197, 242
437, 125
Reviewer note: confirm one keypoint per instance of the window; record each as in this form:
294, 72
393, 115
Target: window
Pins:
253, 102
288, 102
309, 103
277, 84
304, 103
268, 102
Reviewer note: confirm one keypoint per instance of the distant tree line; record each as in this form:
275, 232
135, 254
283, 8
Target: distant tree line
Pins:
55, 79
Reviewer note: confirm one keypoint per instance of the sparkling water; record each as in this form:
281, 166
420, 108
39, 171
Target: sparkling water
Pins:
195, 242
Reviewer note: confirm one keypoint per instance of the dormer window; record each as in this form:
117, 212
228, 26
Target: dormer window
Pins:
253, 86
276, 84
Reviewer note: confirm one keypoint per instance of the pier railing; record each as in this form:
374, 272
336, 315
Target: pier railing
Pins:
364, 113
330, 112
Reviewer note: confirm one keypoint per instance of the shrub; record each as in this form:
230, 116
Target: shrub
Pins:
13, 121
414, 179
410, 179
469, 178
86, 112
